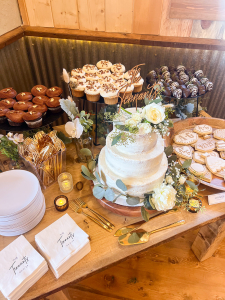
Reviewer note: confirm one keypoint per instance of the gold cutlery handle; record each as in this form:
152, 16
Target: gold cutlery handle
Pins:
168, 226
104, 220
97, 222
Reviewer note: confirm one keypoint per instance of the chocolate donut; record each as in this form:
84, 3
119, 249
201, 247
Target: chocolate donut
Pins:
8, 93
8, 103
15, 117
24, 96
39, 90
54, 91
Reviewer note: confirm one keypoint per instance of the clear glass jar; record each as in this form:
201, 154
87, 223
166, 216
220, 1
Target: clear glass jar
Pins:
65, 181
85, 141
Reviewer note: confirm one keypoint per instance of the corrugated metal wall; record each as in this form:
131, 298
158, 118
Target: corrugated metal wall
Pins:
32, 60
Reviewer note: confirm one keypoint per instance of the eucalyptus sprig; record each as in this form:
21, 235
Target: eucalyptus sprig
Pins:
9, 148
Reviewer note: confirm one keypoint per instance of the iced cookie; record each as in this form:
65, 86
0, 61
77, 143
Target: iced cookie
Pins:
186, 138
207, 176
222, 154
220, 145
207, 154
205, 145
203, 129
219, 134
183, 151
197, 169
197, 157
215, 164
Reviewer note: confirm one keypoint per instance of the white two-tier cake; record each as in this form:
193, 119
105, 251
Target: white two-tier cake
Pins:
141, 164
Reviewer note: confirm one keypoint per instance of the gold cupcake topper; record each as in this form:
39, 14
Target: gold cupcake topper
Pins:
22, 94
39, 89
53, 89
152, 92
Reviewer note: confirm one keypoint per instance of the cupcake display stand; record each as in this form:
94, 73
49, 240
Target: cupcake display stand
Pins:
48, 120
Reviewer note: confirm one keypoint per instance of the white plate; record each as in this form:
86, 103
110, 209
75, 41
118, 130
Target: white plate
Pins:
18, 189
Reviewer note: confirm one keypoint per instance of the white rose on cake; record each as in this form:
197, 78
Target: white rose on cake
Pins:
164, 197
144, 128
134, 120
154, 113
131, 122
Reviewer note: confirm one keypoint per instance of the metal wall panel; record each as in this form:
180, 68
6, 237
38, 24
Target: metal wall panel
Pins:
33, 60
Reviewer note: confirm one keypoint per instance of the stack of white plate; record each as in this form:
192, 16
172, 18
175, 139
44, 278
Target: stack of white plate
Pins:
22, 204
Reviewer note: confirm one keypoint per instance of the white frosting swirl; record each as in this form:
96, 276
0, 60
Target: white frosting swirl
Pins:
103, 72
127, 89
104, 64
77, 71
140, 82
76, 78
108, 90
106, 79
81, 86
93, 89
91, 76
89, 68
118, 68
128, 74
120, 82
117, 75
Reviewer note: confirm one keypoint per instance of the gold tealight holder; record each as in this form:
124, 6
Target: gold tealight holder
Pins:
61, 203
65, 181
189, 190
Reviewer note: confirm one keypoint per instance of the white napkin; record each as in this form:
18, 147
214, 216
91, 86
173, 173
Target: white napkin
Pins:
19, 262
61, 240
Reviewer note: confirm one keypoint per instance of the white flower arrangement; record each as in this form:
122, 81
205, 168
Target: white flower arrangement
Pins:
164, 197
79, 121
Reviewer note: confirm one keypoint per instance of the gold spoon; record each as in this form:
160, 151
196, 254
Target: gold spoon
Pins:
141, 236
135, 226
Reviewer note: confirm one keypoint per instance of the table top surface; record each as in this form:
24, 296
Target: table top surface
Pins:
105, 249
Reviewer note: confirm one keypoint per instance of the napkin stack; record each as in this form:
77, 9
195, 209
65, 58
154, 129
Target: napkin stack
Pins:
21, 267
63, 244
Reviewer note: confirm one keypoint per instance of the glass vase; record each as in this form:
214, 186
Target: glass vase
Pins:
85, 141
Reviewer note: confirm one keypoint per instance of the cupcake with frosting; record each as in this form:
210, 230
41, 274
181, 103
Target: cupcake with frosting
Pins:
39, 90
22, 105
118, 68
89, 68
8, 93
15, 117
126, 90
128, 75
24, 96
120, 82
103, 72
41, 108
91, 76
8, 103
117, 75
106, 79
76, 78
54, 91
77, 71
53, 105
110, 93
138, 85
78, 90
104, 64
33, 119
92, 91
39, 100
3, 111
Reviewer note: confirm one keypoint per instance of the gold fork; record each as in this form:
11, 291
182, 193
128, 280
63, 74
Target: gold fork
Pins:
82, 204
79, 210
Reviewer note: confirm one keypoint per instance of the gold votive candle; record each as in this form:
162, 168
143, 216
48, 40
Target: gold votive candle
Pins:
65, 181
61, 203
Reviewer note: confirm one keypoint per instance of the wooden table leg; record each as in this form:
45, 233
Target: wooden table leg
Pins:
208, 239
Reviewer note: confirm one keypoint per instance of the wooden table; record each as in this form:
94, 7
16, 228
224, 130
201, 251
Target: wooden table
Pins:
105, 250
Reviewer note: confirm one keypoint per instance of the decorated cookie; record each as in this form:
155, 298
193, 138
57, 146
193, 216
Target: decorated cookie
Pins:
182, 160
207, 136
222, 154
219, 134
220, 145
203, 129
207, 176
207, 154
205, 145
183, 151
215, 165
197, 169
197, 157
186, 138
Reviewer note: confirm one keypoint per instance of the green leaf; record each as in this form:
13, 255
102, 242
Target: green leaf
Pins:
91, 165
86, 177
151, 203
182, 188
98, 192
85, 171
168, 150
147, 101
187, 163
86, 152
121, 185
133, 238
63, 138
132, 200
109, 194
97, 176
192, 185
157, 100
172, 158
122, 127
116, 139
170, 124
145, 214
82, 113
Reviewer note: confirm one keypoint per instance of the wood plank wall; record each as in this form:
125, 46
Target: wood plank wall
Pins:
121, 16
